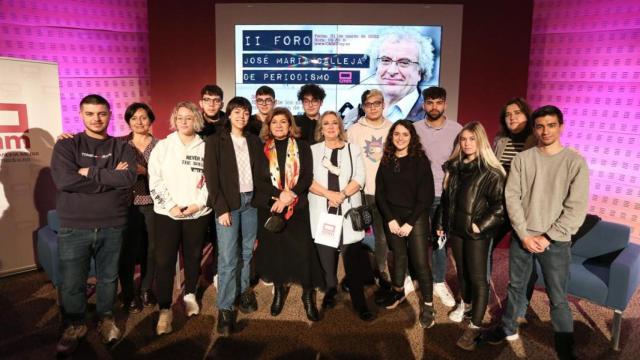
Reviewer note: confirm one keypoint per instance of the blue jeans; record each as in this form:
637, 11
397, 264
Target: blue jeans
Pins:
75, 249
554, 263
438, 256
247, 218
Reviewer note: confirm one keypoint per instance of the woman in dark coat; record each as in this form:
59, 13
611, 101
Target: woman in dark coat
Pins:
288, 256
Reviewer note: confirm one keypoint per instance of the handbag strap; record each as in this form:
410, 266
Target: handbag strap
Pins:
362, 197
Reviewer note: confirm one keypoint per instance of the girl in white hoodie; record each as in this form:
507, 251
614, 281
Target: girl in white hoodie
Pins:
179, 192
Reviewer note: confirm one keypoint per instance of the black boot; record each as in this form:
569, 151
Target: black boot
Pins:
279, 296
565, 348
329, 300
309, 302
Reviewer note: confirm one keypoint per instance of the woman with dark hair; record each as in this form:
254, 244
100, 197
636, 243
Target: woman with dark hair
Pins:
516, 133
286, 255
404, 194
139, 240
472, 208
232, 158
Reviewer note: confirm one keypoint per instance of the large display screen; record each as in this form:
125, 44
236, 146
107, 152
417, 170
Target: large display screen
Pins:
344, 59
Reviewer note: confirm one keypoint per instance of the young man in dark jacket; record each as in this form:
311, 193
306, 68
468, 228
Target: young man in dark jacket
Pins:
93, 173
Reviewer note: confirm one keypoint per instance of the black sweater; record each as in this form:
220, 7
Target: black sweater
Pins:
101, 199
405, 182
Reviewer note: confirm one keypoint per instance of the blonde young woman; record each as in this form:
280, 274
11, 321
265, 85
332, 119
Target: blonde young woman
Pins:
471, 211
338, 176
179, 192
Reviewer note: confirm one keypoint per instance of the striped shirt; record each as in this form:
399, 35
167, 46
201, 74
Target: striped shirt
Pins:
511, 149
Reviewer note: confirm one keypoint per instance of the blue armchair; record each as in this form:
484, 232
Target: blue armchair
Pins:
605, 270
47, 248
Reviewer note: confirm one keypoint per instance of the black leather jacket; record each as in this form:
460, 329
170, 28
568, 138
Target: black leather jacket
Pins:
482, 202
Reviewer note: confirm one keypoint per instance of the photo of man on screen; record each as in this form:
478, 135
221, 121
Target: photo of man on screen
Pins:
401, 60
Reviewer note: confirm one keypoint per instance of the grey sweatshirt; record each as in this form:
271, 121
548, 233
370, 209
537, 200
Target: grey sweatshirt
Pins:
547, 194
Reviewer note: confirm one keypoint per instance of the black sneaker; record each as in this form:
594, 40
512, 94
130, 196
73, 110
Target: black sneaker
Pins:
149, 299
132, 306
248, 302
393, 299
427, 316
226, 322
497, 336
70, 338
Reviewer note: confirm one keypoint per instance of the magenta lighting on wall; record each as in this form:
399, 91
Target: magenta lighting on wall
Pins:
100, 47
585, 59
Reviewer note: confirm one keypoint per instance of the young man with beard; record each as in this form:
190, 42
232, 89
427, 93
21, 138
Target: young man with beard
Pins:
93, 173
437, 134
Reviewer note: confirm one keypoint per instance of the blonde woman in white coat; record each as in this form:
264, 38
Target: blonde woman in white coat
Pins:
338, 176
177, 186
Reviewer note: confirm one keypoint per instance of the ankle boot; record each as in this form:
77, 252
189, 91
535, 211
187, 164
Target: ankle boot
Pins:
309, 302
279, 296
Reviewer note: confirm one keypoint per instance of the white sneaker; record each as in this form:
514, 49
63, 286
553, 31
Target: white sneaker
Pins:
441, 290
458, 314
109, 331
191, 305
164, 322
408, 286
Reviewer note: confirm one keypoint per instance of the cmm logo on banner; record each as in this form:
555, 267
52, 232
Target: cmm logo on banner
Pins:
30, 118
14, 126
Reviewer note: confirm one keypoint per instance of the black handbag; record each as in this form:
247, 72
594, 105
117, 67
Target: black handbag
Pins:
275, 223
362, 216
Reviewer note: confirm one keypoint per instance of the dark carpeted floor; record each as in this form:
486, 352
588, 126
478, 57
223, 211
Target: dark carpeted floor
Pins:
29, 329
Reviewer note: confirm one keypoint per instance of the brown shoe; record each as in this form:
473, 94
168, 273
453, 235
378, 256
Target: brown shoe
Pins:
469, 338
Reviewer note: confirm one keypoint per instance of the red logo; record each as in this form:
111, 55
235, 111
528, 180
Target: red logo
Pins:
20, 140
23, 123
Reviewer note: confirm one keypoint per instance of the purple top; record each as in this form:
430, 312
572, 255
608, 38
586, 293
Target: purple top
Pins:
438, 144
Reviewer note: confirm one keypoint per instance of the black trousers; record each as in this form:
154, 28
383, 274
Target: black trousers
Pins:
413, 249
472, 263
356, 267
138, 247
169, 235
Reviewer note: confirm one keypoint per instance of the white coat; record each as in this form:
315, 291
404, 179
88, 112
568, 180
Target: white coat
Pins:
318, 204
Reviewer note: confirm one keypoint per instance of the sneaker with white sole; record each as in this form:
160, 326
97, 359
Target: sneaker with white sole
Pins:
164, 322
497, 335
191, 305
457, 315
441, 291
109, 331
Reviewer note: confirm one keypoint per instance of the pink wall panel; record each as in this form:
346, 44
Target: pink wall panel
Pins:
585, 59
100, 47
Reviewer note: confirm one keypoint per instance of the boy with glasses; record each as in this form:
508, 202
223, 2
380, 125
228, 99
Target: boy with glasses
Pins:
311, 96
265, 102
211, 104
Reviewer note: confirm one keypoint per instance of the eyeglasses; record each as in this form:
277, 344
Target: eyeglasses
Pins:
375, 104
310, 101
403, 63
515, 113
212, 100
264, 101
